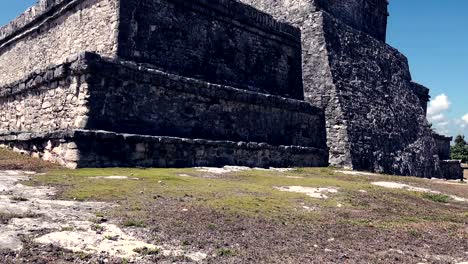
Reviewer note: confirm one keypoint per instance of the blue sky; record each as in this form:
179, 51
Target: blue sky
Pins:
433, 34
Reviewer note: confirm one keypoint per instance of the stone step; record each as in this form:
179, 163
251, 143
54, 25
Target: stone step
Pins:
91, 148
91, 92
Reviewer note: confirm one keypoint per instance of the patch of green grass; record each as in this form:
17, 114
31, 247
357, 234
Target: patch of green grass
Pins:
360, 222
147, 251
437, 197
83, 255
97, 228
134, 223
99, 215
19, 199
414, 233
112, 238
225, 252
248, 193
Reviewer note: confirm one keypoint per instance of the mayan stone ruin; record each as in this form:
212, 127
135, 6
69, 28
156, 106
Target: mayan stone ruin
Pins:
176, 83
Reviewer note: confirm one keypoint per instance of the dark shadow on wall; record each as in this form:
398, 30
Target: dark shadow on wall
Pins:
140, 100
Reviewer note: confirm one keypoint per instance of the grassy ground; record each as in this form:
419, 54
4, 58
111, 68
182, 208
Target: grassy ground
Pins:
241, 218
10, 160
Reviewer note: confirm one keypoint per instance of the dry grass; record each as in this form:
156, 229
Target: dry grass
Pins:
10, 160
241, 218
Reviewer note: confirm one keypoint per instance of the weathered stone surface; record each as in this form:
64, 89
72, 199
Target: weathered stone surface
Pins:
422, 93
107, 149
217, 70
49, 33
219, 41
387, 126
443, 146
375, 120
451, 169
368, 16
121, 96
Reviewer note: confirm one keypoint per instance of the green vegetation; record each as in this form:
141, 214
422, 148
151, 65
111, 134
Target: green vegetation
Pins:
134, 223
437, 197
225, 252
97, 228
19, 199
223, 213
250, 193
147, 251
459, 151
112, 238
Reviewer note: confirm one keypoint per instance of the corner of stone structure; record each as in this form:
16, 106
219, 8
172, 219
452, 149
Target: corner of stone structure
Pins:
320, 88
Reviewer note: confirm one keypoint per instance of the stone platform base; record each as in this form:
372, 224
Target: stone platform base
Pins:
87, 148
451, 169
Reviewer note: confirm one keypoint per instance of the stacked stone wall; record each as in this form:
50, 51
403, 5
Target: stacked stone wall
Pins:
219, 41
443, 146
104, 94
368, 16
42, 9
47, 100
375, 120
145, 101
57, 31
451, 169
83, 148
386, 123
158, 74
422, 93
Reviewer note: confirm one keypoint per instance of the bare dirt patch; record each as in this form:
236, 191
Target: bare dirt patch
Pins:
320, 193
395, 185
71, 225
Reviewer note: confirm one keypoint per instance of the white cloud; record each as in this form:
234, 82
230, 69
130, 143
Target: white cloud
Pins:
436, 113
438, 105
436, 118
465, 119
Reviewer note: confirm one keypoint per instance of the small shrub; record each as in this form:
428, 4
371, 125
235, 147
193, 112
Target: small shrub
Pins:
147, 251
414, 233
99, 215
437, 197
19, 199
225, 252
97, 228
134, 223
112, 238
